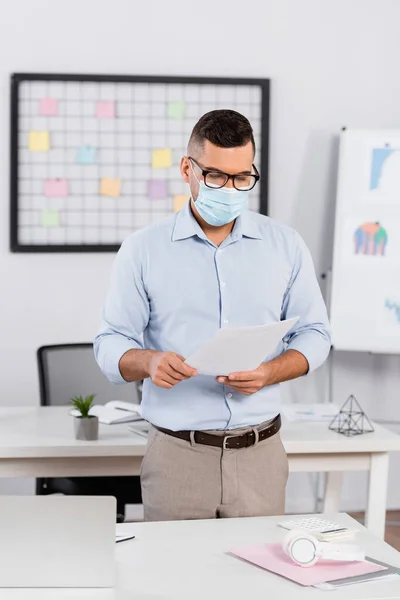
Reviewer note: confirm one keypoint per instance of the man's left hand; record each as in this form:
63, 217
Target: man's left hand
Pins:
248, 382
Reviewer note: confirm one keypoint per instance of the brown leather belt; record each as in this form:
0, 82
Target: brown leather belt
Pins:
227, 442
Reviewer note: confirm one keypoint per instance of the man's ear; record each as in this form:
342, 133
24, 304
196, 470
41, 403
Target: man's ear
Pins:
185, 168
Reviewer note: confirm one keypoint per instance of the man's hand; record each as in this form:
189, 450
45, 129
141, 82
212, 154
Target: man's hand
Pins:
166, 369
248, 382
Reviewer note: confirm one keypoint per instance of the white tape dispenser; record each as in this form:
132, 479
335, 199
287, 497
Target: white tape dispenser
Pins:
305, 550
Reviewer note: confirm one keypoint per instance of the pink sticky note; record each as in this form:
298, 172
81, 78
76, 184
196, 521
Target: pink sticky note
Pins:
157, 189
105, 109
56, 187
272, 558
48, 107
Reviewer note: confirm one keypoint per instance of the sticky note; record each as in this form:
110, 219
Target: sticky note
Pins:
162, 158
180, 201
50, 218
105, 109
39, 141
176, 109
110, 187
56, 187
86, 155
157, 188
48, 107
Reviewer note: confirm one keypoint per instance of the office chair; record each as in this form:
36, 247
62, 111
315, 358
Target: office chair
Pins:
68, 370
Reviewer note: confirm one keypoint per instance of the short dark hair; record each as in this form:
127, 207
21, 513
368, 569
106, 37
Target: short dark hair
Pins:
223, 128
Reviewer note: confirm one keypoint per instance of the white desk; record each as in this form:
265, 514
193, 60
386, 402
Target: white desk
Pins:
39, 442
188, 560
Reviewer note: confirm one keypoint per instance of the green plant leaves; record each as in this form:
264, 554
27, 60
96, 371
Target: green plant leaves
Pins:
83, 404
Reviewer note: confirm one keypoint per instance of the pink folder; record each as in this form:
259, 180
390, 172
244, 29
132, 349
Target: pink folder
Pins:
272, 558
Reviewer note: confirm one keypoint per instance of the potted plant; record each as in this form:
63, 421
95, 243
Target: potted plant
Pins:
86, 426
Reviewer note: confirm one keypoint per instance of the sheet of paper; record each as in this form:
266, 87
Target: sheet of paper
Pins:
110, 187
56, 187
86, 155
48, 107
39, 141
176, 109
239, 349
180, 201
272, 558
318, 413
50, 218
162, 158
105, 109
157, 189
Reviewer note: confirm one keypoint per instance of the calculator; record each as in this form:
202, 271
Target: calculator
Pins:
321, 528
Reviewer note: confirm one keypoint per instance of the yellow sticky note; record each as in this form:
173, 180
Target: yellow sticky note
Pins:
39, 141
162, 158
50, 218
180, 201
110, 187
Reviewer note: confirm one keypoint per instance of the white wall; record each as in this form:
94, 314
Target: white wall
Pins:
332, 63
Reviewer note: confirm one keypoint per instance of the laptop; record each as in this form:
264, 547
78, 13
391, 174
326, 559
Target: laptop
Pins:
57, 541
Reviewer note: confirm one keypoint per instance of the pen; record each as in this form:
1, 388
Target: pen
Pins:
125, 539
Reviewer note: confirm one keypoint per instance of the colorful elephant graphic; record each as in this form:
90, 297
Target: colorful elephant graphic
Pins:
371, 239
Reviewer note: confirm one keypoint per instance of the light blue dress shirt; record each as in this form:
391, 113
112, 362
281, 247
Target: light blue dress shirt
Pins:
171, 289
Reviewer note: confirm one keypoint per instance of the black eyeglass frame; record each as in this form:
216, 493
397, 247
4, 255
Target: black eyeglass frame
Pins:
205, 172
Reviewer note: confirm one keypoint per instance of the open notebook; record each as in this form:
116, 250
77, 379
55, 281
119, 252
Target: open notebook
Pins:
113, 412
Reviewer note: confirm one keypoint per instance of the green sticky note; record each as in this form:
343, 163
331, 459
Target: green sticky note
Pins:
176, 109
50, 218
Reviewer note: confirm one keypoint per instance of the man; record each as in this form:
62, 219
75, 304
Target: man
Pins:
214, 450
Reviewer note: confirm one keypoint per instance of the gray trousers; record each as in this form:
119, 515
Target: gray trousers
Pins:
181, 480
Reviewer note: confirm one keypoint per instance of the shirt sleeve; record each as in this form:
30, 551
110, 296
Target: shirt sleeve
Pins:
311, 335
125, 313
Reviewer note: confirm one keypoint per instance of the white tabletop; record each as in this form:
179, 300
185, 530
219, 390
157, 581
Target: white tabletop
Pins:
189, 560
48, 432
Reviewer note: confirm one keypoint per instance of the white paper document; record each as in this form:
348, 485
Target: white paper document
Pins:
237, 349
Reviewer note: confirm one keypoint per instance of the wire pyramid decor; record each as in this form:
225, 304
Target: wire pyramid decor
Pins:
351, 419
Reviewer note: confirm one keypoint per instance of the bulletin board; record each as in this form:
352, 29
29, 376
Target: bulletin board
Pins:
95, 158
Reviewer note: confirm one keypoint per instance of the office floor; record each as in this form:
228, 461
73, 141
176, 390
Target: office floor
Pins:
392, 534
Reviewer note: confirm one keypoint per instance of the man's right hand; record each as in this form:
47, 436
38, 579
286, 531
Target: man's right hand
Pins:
166, 369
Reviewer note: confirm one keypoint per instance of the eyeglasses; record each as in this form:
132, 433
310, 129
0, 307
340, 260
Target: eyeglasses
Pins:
217, 179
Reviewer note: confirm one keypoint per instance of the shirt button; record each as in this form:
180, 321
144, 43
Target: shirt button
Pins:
225, 321
222, 283
229, 396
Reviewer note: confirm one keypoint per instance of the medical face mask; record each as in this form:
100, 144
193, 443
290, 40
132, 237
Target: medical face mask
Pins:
221, 205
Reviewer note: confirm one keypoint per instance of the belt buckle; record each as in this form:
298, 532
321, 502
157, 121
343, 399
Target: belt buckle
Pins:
226, 438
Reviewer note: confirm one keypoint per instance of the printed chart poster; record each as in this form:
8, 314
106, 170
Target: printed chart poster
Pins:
390, 320
384, 176
371, 241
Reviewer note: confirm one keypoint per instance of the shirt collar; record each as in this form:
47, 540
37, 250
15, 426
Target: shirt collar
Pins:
186, 226
246, 226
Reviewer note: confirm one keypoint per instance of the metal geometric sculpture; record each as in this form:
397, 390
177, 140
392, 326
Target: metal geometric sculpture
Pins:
351, 419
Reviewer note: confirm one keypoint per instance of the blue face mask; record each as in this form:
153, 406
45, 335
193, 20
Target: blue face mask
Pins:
221, 205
